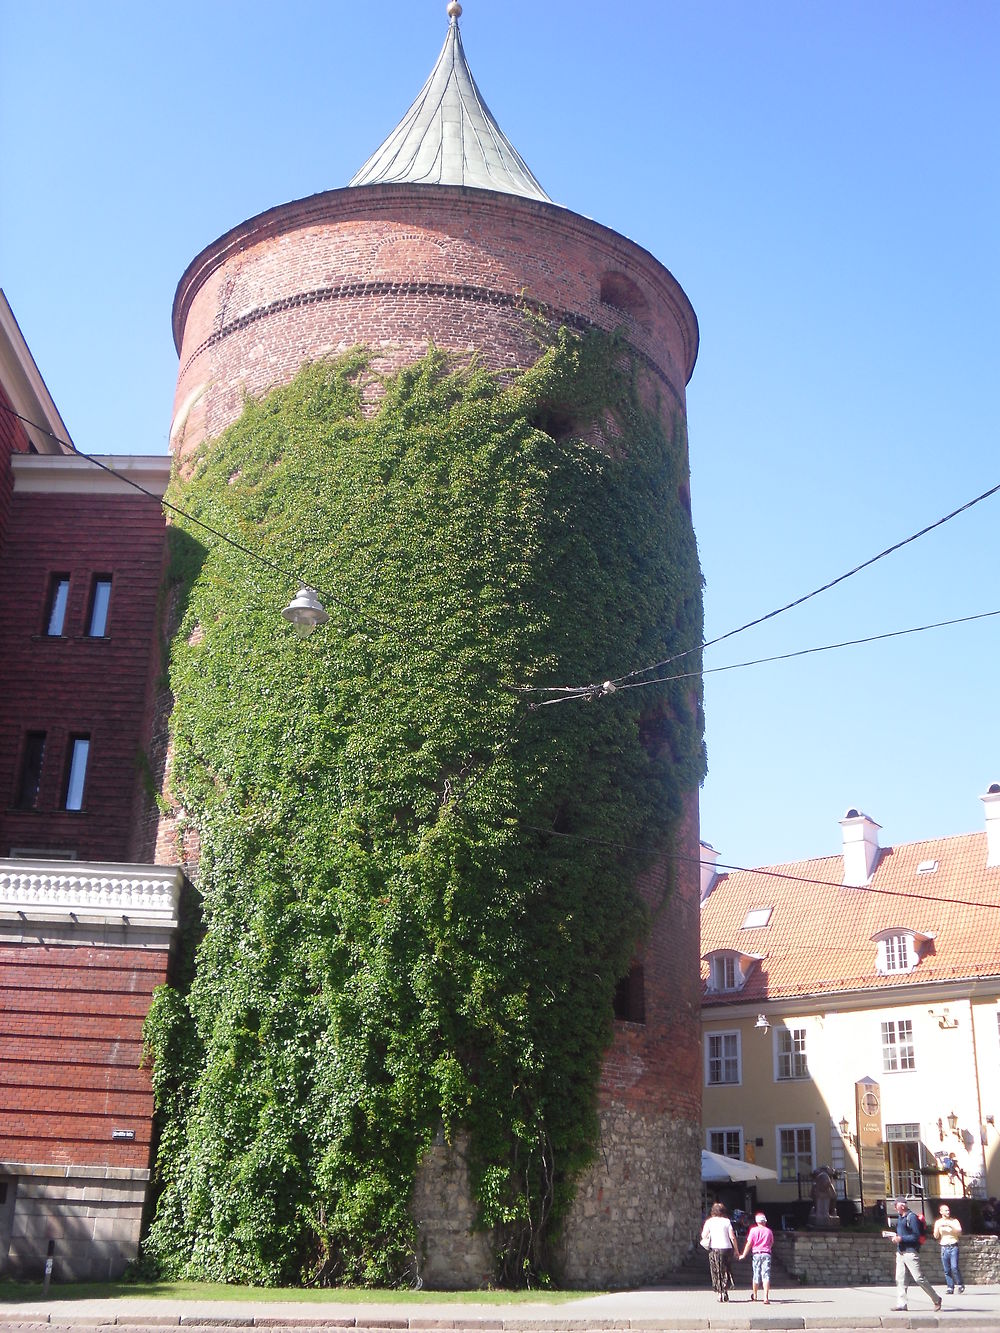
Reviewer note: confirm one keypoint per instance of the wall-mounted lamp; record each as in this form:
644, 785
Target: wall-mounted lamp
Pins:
953, 1123
845, 1132
762, 1024
944, 1019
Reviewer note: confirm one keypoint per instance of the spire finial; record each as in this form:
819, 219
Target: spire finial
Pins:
454, 10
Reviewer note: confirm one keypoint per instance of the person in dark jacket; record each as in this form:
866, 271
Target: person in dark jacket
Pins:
907, 1242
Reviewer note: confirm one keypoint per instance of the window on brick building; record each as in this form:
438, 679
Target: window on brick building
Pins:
630, 996
100, 601
55, 608
796, 1156
29, 778
76, 772
722, 1058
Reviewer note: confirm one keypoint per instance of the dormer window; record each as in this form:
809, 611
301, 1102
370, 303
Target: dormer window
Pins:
898, 950
727, 969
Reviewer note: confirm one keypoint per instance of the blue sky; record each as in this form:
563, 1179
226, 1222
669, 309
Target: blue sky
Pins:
824, 182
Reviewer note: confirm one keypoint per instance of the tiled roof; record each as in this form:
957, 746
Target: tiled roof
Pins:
449, 137
819, 937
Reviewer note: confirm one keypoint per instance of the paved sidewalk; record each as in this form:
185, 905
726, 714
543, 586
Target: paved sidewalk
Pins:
676, 1310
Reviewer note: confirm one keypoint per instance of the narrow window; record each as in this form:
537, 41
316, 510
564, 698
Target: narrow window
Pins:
792, 1053
55, 613
77, 772
630, 997
724, 973
897, 954
30, 776
100, 600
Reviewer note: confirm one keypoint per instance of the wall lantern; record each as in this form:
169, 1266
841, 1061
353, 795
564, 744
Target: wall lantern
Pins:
953, 1122
845, 1132
762, 1023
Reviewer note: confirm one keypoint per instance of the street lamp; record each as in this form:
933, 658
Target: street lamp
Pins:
305, 612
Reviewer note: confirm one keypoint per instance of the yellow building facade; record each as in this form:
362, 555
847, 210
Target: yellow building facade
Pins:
851, 1016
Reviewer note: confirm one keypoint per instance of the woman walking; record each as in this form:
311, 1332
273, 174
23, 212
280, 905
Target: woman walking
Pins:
719, 1238
947, 1230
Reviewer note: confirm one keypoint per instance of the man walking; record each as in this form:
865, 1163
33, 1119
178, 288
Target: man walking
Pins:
907, 1242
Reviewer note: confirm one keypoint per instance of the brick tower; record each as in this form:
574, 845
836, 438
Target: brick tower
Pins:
441, 239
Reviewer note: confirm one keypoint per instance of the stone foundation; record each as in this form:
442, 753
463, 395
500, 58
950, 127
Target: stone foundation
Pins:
638, 1210
450, 1255
92, 1216
636, 1216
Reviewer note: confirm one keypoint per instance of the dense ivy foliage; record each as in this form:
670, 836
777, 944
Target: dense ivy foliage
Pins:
399, 939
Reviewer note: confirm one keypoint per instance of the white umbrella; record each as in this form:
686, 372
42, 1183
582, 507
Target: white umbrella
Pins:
716, 1167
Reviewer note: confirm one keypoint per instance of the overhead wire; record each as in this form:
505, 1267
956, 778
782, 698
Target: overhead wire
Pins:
596, 690
611, 686
766, 872
283, 570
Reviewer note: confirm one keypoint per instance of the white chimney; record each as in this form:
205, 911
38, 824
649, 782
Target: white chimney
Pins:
860, 847
992, 802
709, 856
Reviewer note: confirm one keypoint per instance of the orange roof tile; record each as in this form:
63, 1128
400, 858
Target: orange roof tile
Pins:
819, 937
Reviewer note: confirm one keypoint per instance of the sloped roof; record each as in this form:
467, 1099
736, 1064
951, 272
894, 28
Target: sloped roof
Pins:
819, 939
449, 137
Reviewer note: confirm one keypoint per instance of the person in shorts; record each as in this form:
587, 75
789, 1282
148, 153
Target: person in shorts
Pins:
760, 1243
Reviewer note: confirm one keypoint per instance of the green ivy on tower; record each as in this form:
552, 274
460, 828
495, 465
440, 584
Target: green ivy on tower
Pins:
395, 941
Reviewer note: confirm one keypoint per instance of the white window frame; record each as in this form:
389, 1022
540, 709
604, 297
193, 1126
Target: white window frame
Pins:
796, 1129
898, 1046
728, 965
791, 1054
724, 1082
724, 1130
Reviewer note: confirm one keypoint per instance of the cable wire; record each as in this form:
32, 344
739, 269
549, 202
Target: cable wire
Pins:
594, 691
296, 576
767, 872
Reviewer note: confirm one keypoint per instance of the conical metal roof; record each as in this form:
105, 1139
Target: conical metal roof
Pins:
448, 136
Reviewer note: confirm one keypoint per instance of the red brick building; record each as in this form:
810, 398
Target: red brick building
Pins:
84, 932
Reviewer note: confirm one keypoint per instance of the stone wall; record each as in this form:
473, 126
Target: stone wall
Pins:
637, 1209
91, 1215
859, 1260
450, 1255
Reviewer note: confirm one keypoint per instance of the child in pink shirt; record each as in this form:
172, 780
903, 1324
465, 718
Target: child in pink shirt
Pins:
760, 1243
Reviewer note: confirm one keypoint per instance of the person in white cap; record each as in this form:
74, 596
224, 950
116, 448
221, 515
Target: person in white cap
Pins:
760, 1243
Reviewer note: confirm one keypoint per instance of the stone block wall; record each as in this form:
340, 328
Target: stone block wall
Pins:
91, 1215
637, 1210
862, 1260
